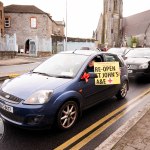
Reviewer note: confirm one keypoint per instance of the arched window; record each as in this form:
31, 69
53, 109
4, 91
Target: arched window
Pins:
115, 5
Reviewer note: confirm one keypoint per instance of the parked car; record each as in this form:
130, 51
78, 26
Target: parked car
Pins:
119, 51
85, 48
54, 93
138, 61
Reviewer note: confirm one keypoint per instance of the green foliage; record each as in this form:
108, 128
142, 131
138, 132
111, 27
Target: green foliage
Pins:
134, 41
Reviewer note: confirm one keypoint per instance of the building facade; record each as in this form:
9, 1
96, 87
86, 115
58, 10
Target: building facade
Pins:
29, 23
109, 29
138, 26
114, 30
1, 19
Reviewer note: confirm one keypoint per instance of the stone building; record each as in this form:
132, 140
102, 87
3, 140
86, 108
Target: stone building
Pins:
138, 26
114, 30
29, 23
109, 29
1, 19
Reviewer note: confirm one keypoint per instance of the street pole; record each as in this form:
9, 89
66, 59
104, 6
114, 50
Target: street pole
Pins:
66, 28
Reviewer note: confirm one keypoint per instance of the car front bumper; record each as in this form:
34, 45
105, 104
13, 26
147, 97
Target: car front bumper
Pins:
27, 116
134, 72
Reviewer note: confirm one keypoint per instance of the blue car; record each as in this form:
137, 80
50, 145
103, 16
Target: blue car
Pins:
58, 90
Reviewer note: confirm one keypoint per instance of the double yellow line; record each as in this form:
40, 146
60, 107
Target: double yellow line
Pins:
131, 104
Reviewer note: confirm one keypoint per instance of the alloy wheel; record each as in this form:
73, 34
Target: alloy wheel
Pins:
67, 115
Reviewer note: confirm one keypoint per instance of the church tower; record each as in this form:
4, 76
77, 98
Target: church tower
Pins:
112, 23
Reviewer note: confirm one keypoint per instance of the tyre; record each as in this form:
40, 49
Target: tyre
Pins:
123, 90
67, 115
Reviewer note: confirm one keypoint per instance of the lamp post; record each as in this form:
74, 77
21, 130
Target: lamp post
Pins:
66, 29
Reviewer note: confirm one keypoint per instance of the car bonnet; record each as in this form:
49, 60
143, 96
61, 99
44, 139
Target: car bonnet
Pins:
25, 85
137, 60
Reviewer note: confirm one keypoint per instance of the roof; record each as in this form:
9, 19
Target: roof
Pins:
137, 24
60, 22
23, 9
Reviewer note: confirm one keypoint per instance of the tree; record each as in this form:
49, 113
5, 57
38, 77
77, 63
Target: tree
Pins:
134, 41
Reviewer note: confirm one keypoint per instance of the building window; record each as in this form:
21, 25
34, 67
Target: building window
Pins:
112, 31
0, 14
115, 5
7, 22
33, 22
1, 32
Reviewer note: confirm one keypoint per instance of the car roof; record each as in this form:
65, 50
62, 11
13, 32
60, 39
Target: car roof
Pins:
83, 52
143, 48
118, 48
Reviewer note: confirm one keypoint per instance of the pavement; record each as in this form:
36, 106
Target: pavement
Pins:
18, 60
133, 135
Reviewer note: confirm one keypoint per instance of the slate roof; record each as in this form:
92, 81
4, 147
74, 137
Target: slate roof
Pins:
23, 9
137, 24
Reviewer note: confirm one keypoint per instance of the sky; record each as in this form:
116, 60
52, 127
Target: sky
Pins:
82, 15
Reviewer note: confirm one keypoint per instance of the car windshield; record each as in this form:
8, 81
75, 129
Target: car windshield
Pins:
139, 53
61, 65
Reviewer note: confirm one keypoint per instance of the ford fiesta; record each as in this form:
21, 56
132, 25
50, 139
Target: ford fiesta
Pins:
55, 92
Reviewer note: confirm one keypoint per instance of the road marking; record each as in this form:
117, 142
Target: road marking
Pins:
104, 127
13, 75
99, 122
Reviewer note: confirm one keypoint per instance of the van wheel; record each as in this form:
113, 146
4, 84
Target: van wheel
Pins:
67, 115
123, 90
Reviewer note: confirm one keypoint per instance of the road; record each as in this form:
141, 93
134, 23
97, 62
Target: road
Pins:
93, 128
19, 69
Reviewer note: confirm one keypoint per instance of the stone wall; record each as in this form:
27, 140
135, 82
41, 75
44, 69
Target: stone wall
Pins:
43, 54
7, 54
58, 29
21, 25
1, 19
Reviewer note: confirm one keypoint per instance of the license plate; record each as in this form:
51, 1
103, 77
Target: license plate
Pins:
130, 71
6, 107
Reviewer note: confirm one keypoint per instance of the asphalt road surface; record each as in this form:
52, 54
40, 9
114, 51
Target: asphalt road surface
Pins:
96, 124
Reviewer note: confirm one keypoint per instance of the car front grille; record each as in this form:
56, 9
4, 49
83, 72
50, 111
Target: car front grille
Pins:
10, 98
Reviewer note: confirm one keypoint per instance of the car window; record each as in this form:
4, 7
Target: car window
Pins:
90, 66
138, 53
62, 65
113, 58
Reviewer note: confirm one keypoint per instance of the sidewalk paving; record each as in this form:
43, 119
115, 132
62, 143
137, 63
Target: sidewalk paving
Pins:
18, 61
133, 135
138, 137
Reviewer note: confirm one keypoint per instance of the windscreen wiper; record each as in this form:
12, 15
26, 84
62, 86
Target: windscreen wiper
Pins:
42, 73
62, 76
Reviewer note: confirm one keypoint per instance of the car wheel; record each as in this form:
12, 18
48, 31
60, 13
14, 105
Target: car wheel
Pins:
123, 90
67, 115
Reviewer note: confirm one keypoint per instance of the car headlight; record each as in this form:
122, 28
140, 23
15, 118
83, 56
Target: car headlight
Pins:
39, 97
143, 66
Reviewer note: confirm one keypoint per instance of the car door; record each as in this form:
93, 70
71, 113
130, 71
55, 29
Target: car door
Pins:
114, 58
94, 93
